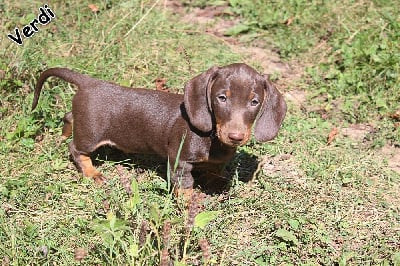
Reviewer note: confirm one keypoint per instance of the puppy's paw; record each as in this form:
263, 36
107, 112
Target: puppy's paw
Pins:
99, 179
184, 193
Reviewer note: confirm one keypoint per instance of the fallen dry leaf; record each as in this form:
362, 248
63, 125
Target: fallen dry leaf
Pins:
94, 8
161, 84
289, 21
80, 254
106, 205
2, 74
395, 115
332, 135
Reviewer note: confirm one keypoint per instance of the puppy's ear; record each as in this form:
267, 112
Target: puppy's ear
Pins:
271, 115
196, 98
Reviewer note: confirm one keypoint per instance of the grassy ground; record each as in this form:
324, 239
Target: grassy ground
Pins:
310, 204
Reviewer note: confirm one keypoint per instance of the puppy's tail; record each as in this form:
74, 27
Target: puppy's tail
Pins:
64, 73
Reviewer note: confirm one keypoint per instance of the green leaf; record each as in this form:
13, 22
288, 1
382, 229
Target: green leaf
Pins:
294, 224
27, 143
124, 82
134, 250
155, 213
202, 219
237, 29
396, 259
135, 198
346, 257
120, 225
179, 152
381, 103
287, 236
112, 219
347, 181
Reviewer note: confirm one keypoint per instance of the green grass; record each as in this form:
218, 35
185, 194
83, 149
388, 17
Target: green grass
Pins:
310, 203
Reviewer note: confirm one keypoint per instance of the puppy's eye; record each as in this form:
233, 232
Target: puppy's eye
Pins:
222, 98
254, 102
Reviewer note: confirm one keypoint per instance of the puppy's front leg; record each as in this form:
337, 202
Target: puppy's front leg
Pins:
85, 165
182, 180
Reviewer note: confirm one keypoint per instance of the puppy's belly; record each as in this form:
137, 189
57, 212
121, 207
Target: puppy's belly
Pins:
105, 142
136, 147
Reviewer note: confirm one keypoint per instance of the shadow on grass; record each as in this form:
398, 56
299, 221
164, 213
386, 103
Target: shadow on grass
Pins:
242, 166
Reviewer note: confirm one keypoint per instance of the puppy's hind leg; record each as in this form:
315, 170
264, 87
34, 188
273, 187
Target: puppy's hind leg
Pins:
85, 165
67, 128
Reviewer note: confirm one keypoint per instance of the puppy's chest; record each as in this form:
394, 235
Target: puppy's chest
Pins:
213, 153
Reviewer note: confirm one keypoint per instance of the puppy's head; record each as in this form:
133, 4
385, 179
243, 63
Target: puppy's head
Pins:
230, 99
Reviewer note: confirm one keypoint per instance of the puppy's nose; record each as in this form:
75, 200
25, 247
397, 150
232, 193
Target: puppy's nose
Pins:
236, 136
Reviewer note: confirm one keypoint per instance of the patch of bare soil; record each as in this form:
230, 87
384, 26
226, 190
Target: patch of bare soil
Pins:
297, 97
357, 132
284, 166
392, 153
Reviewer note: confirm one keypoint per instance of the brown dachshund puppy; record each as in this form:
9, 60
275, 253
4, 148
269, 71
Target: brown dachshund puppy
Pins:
216, 115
